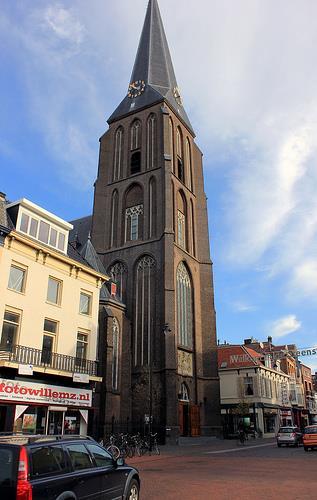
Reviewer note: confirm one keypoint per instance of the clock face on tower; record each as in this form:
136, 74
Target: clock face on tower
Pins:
136, 88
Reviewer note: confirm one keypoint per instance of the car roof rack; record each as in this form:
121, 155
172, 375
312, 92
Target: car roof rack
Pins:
20, 438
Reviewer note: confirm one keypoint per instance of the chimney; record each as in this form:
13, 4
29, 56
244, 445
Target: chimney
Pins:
2, 196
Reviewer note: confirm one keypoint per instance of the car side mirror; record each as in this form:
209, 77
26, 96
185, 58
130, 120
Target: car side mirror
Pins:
119, 462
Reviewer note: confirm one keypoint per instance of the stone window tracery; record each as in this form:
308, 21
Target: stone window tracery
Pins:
184, 307
117, 272
144, 310
115, 353
132, 215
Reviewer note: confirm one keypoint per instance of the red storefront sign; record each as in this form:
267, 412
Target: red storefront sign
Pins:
31, 392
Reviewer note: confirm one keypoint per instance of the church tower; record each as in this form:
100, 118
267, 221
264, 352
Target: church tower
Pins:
150, 230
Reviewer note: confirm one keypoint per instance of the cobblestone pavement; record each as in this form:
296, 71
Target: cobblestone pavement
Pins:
224, 470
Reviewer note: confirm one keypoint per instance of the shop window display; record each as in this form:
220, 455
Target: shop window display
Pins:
72, 422
32, 420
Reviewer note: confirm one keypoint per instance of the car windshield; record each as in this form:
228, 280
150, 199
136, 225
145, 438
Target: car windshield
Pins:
286, 430
311, 430
7, 465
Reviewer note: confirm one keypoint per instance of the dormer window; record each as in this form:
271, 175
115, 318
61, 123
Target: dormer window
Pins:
42, 231
39, 224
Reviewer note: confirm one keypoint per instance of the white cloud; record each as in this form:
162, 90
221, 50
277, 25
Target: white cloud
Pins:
249, 87
305, 278
242, 306
64, 24
284, 326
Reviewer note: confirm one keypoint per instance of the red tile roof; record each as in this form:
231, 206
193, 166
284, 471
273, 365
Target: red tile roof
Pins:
237, 357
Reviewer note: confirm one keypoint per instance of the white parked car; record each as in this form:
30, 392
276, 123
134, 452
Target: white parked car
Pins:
289, 436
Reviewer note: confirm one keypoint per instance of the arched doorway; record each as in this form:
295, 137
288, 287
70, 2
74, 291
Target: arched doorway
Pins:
188, 413
184, 410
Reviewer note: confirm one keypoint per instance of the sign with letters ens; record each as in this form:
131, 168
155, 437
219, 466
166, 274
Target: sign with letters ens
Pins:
29, 392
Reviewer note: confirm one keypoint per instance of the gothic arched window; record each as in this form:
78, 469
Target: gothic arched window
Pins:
145, 293
135, 147
184, 307
118, 151
115, 353
151, 142
179, 149
114, 219
153, 207
184, 393
171, 141
189, 165
118, 272
182, 231
193, 228
135, 135
133, 223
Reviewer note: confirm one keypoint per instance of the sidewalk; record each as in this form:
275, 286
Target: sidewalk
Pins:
203, 446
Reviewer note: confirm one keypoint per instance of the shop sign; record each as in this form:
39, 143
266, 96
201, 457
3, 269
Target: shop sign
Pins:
81, 377
25, 369
286, 413
29, 392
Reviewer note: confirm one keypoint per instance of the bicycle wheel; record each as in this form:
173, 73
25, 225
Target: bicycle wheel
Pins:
114, 451
156, 449
144, 448
138, 450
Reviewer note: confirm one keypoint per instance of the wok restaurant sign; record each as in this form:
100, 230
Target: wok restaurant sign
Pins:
29, 392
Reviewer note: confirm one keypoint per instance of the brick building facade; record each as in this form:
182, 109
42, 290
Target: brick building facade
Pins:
150, 230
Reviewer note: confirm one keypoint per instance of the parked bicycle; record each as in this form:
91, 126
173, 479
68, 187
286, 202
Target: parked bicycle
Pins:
150, 445
126, 445
111, 447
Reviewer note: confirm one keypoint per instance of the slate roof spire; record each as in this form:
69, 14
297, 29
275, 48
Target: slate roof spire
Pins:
153, 66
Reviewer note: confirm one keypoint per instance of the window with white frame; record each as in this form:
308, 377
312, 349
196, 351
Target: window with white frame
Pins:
10, 329
81, 348
42, 231
17, 278
115, 353
49, 341
85, 303
248, 386
54, 290
263, 387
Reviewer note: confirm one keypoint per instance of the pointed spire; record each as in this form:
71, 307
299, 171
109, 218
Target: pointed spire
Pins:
153, 70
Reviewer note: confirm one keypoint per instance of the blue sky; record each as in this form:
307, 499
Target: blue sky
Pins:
247, 74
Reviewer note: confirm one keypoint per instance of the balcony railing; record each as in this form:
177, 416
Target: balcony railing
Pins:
61, 362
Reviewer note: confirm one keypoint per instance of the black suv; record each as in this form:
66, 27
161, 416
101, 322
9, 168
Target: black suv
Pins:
63, 468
